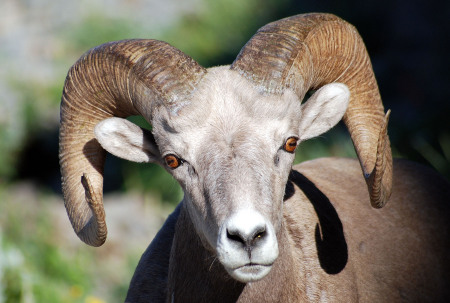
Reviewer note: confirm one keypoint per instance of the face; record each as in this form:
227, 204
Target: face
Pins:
232, 150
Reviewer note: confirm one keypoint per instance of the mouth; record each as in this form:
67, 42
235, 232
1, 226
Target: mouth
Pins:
250, 272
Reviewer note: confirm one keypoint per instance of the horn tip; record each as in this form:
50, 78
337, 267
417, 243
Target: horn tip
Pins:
94, 233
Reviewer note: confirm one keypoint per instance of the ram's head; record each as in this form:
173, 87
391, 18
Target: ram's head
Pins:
227, 134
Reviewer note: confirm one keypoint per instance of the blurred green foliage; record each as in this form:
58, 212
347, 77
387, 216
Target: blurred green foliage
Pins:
215, 34
97, 29
35, 266
32, 264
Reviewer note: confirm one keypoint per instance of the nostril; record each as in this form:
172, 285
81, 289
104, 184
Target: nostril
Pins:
259, 235
235, 236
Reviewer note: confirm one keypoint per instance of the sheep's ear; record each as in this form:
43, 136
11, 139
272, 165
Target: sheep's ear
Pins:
323, 110
126, 140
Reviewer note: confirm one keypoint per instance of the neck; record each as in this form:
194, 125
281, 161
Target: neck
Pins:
195, 274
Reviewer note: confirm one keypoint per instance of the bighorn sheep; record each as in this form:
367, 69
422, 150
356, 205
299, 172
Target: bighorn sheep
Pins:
250, 227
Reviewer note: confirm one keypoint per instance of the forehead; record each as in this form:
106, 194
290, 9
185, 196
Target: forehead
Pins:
225, 106
224, 94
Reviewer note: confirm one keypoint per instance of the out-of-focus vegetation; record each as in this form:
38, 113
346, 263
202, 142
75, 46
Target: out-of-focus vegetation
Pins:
33, 266
40, 40
41, 260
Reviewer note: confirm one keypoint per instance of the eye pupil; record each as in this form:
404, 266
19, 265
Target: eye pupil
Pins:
172, 161
291, 144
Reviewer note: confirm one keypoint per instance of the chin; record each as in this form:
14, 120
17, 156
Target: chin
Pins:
250, 272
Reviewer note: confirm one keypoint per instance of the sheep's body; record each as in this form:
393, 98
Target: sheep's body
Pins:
333, 246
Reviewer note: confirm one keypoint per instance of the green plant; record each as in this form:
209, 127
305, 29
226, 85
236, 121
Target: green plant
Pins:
34, 267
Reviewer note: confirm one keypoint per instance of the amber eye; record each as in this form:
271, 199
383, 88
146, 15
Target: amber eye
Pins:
173, 161
291, 144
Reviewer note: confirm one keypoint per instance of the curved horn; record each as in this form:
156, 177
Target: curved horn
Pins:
305, 52
119, 79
